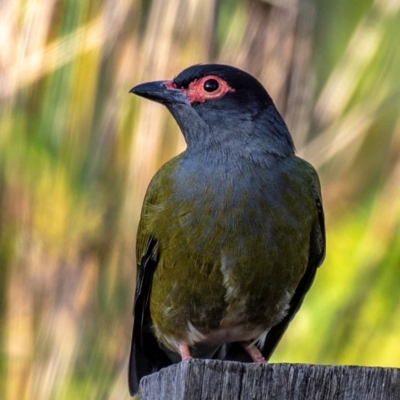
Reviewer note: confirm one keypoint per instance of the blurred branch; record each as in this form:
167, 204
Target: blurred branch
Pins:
32, 65
349, 128
358, 57
276, 47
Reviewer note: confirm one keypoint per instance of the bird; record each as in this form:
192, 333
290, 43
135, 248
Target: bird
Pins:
231, 231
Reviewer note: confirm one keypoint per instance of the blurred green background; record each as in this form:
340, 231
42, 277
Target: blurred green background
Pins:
77, 153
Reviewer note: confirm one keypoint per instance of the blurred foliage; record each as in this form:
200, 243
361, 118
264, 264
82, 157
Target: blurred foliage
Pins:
77, 153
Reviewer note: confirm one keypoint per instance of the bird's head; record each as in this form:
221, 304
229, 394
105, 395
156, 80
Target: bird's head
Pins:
218, 104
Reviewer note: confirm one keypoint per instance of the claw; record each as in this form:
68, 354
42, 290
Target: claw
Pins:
254, 353
185, 352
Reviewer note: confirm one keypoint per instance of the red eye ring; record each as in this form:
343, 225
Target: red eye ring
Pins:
197, 91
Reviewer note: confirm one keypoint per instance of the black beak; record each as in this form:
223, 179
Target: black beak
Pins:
162, 92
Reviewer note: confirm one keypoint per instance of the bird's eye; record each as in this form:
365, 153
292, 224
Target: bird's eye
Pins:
211, 85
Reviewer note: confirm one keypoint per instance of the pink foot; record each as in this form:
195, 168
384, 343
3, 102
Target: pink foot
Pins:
185, 352
254, 353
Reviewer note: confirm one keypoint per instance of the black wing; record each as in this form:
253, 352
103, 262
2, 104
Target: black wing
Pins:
315, 259
146, 354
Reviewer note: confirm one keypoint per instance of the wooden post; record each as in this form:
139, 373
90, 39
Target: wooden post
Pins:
226, 380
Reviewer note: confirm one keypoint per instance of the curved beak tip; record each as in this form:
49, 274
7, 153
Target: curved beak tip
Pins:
136, 90
149, 89
159, 91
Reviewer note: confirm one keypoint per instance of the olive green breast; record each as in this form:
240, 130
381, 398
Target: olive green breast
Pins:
233, 244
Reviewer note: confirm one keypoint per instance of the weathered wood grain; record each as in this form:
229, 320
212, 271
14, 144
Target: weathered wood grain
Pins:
222, 380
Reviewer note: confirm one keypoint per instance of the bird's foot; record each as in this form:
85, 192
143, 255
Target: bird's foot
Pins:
184, 352
253, 351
